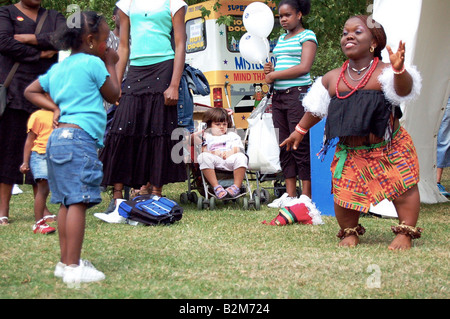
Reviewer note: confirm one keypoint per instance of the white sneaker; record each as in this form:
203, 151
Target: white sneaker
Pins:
16, 190
283, 201
305, 199
59, 269
84, 272
114, 217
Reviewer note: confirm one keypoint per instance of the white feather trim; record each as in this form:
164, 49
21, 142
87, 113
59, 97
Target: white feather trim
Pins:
313, 212
317, 99
386, 79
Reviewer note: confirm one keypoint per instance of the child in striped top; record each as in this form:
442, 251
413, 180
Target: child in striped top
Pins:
295, 53
288, 52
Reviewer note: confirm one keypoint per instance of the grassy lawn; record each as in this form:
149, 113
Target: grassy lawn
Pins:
228, 253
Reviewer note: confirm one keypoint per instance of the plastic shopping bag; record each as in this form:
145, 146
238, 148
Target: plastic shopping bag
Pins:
263, 149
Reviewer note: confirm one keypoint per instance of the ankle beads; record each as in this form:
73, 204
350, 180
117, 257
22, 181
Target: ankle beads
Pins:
413, 232
358, 230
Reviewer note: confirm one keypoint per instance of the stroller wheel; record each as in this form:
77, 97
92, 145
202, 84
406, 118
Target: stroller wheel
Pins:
183, 198
192, 196
279, 189
200, 203
245, 203
212, 203
264, 195
257, 203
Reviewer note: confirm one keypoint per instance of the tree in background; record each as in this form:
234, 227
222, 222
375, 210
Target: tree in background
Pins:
326, 19
64, 6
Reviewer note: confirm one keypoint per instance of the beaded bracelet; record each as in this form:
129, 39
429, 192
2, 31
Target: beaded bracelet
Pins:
399, 72
300, 130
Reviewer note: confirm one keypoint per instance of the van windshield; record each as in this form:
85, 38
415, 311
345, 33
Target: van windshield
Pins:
196, 35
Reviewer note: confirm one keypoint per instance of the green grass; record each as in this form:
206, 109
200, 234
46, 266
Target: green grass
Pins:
228, 253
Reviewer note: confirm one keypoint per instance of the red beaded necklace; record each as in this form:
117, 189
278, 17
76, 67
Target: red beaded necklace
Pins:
361, 83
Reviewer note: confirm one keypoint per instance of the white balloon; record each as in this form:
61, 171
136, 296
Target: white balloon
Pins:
254, 49
258, 19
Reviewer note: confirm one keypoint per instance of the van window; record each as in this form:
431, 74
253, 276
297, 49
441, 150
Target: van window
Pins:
234, 33
237, 29
196, 35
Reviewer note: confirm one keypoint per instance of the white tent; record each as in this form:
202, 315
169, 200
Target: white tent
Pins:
424, 26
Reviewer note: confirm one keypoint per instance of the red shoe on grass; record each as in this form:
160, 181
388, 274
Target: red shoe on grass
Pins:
41, 227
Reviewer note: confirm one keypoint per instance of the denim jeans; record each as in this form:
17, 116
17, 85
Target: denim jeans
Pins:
38, 165
74, 171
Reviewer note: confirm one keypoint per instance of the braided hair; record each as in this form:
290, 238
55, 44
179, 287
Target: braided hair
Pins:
72, 37
377, 31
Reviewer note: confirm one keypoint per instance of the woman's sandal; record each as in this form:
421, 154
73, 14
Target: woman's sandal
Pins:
156, 191
233, 190
220, 192
144, 190
4, 221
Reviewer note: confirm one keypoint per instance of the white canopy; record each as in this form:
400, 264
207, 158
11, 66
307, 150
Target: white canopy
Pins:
424, 27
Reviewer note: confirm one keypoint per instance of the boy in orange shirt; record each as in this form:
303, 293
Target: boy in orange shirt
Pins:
40, 126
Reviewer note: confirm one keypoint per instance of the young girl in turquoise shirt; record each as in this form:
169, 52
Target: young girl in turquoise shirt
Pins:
74, 90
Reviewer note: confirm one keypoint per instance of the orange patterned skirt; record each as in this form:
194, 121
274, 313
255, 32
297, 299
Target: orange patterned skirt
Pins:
371, 174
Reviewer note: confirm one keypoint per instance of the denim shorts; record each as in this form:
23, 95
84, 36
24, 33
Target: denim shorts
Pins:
74, 171
38, 165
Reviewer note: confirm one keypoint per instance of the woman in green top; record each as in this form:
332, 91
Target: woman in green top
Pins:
138, 146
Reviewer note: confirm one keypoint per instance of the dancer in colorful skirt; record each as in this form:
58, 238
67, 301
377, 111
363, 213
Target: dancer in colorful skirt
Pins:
375, 157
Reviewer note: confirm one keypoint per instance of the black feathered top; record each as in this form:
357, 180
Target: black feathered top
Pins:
362, 113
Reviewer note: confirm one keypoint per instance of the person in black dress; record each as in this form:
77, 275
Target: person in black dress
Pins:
36, 54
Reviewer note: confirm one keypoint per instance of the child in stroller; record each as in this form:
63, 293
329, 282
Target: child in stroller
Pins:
222, 150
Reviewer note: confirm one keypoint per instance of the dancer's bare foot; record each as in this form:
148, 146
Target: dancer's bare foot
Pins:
350, 241
401, 242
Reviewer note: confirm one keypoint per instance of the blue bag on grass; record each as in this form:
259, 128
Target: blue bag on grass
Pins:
151, 210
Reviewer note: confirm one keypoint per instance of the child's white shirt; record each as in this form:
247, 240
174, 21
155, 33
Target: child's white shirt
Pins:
225, 142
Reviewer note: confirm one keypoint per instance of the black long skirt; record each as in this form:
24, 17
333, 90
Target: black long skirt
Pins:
138, 146
13, 134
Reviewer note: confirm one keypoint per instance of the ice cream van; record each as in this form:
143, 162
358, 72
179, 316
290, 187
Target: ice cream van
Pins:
214, 49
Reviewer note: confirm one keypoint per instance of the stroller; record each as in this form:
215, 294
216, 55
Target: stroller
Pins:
198, 182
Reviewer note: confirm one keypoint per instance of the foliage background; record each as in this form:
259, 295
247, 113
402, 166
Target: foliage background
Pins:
326, 19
